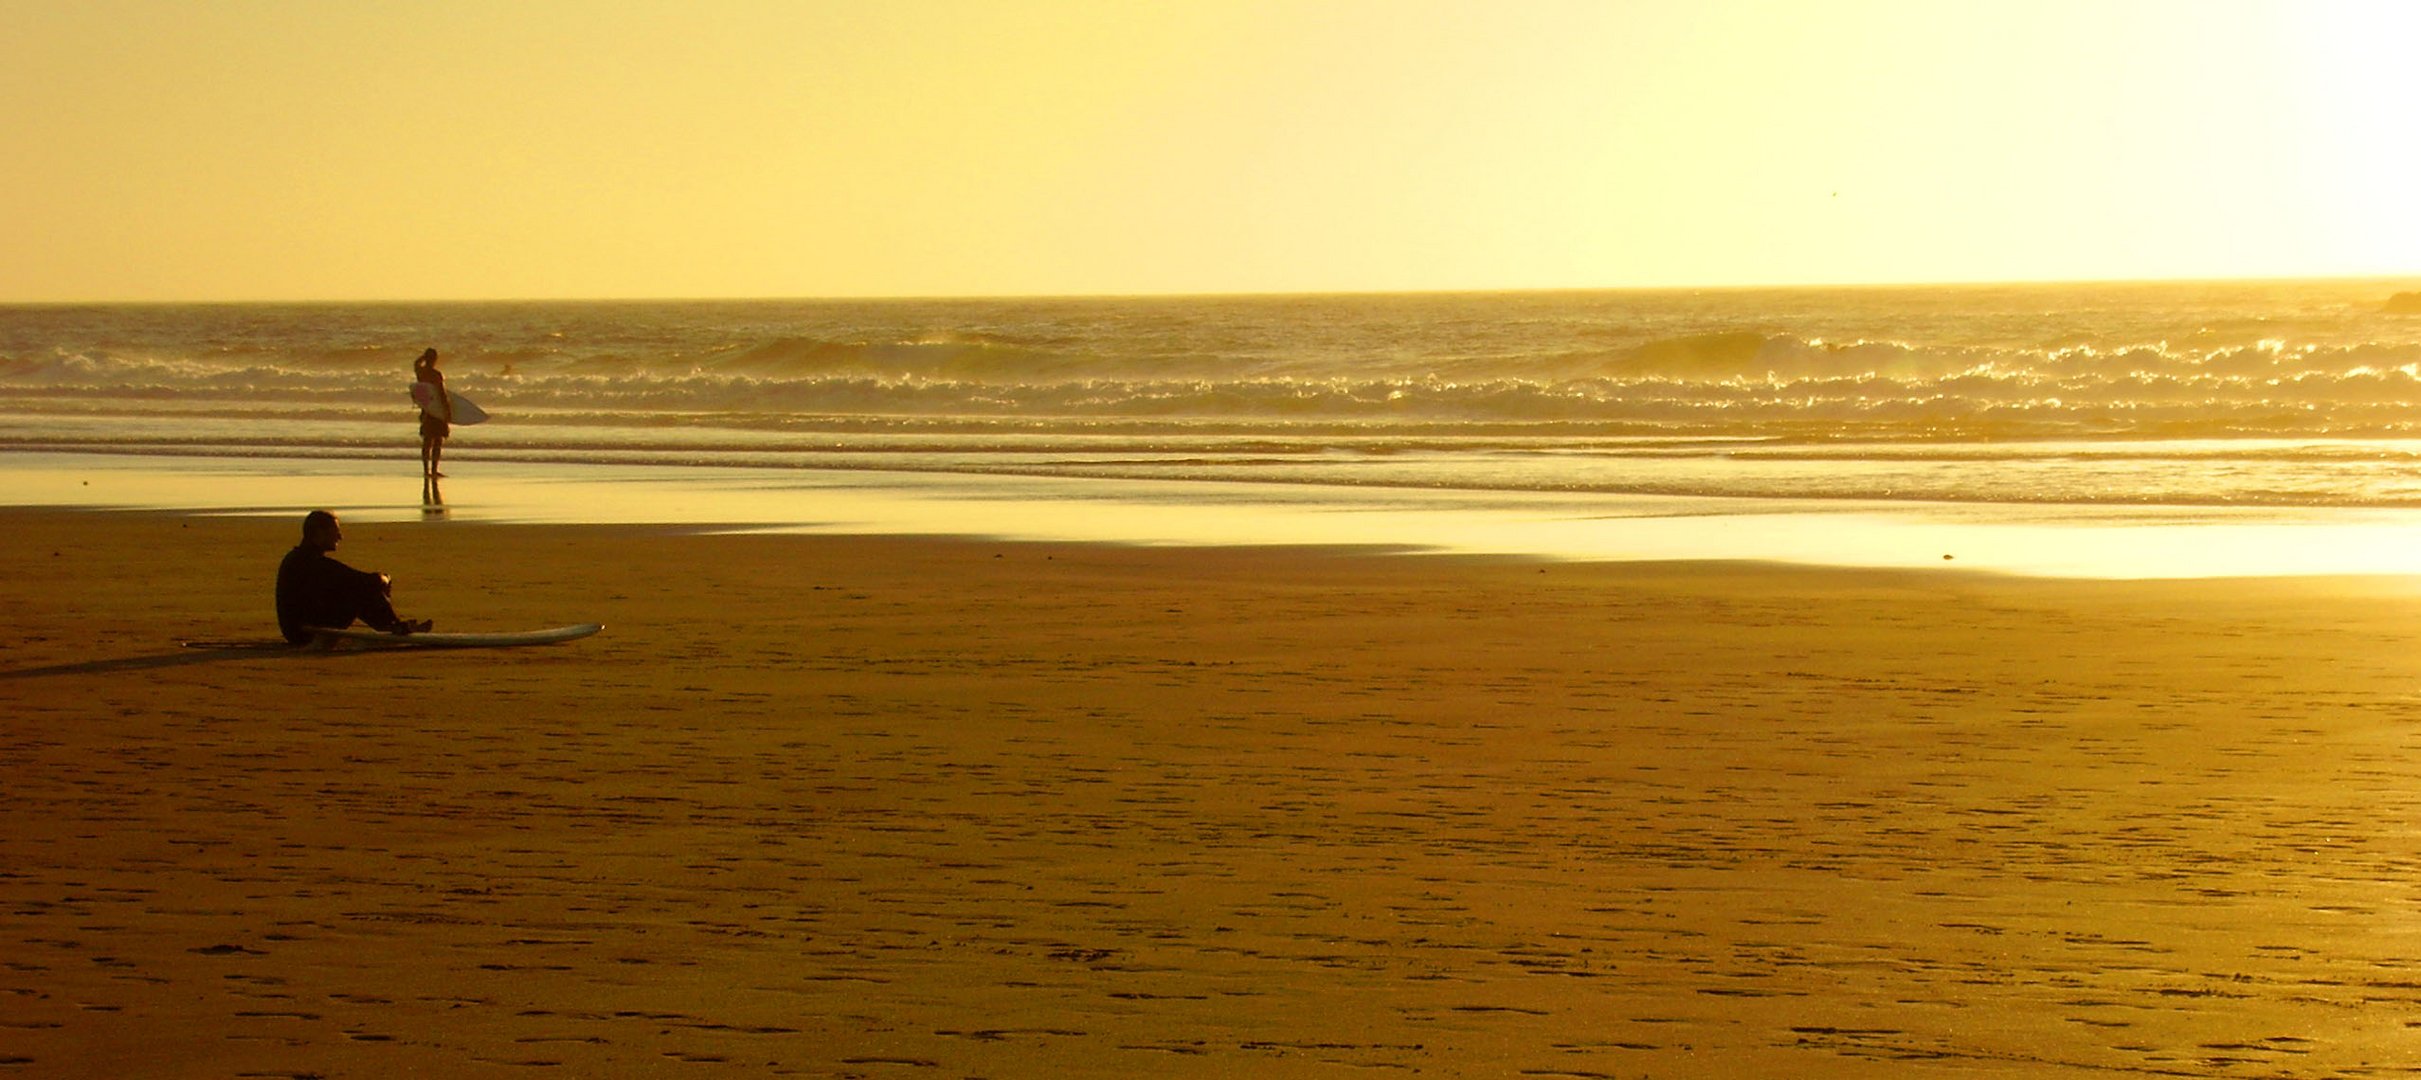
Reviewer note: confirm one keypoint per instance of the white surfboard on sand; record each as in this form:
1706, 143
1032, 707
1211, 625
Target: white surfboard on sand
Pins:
326, 637
425, 396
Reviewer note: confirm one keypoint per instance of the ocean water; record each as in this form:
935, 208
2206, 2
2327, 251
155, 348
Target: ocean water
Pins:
2284, 394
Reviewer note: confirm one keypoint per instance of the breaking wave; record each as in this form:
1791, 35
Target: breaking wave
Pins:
1736, 383
1518, 390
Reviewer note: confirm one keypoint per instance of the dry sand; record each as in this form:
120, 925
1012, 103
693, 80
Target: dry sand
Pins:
869, 807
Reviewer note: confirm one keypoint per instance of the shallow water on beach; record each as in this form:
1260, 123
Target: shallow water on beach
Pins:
2082, 542
2128, 430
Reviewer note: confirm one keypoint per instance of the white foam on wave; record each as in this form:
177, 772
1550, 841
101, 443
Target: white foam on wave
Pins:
1509, 392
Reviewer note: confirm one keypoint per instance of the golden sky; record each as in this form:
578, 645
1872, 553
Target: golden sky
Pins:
301, 149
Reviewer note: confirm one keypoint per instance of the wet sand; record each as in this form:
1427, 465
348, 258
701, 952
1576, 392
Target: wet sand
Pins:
823, 806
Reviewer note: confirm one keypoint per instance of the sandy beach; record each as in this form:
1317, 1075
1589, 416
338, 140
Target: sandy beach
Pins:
831, 806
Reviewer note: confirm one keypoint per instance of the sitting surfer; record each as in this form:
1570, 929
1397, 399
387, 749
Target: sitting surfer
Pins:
314, 590
436, 416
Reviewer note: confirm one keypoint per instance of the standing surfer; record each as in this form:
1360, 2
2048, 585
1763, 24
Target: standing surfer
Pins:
436, 413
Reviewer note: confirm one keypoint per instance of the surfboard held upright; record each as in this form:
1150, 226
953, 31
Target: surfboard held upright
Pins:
425, 396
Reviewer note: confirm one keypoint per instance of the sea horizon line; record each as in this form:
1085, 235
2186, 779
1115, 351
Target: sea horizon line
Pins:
2384, 279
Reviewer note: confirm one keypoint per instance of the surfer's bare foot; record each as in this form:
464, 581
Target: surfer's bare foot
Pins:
409, 626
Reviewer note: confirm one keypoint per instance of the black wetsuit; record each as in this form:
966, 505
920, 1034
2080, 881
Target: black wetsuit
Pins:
315, 590
436, 423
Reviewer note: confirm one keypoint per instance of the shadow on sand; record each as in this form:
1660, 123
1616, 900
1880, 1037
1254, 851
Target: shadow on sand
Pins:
194, 652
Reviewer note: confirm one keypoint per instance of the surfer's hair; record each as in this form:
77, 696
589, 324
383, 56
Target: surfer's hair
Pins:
317, 520
426, 357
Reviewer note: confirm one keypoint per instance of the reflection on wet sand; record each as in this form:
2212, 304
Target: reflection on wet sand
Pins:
2066, 541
